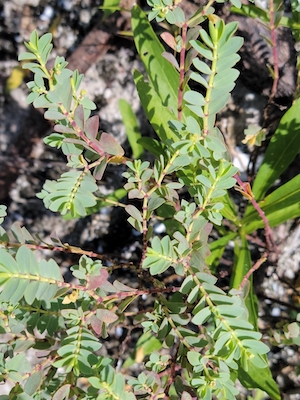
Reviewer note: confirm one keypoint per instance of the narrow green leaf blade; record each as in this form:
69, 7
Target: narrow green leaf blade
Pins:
283, 148
158, 115
242, 265
279, 206
259, 378
165, 80
132, 128
162, 75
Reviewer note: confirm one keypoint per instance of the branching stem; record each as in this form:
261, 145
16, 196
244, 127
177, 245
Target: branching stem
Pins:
182, 70
274, 49
252, 270
246, 191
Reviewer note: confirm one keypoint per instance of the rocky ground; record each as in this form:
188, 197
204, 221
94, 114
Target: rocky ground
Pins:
26, 163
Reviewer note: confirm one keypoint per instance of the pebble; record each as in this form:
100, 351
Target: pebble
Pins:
159, 228
275, 312
47, 13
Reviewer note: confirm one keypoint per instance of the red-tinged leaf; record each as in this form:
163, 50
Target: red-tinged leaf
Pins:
92, 127
171, 59
96, 324
79, 117
62, 392
99, 170
110, 145
98, 280
169, 39
186, 396
106, 316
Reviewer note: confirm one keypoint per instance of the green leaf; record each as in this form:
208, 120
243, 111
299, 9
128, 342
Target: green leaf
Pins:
283, 148
206, 38
199, 78
221, 299
194, 358
230, 310
242, 265
194, 98
10, 291
26, 56
54, 140
8, 266
226, 63
146, 344
279, 206
157, 114
160, 256
134, 212
132, 128
54, 115
202, 316
154, 203
34, 40
44, 41
232, 46
64, 94
242, 261
202, 49
21, 233
219, 100
88, 104
221, 342
259, 378
50, 269
27, 261
72, 193
162, 75
33, 383
255, 346
109, 7
202, 66
19, 363
221, 79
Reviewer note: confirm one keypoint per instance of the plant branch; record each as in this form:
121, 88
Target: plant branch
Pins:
247, 192
66, 248
252, 270
91, 143
182, 70
274, 49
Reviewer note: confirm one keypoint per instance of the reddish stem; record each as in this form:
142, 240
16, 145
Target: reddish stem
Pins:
73, 250
182, 70
268, 230
252, 270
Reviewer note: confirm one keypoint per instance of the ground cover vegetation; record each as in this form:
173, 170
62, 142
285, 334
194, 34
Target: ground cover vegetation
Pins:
198, 340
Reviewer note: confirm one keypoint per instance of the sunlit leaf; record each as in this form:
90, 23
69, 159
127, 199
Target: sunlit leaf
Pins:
110, 145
